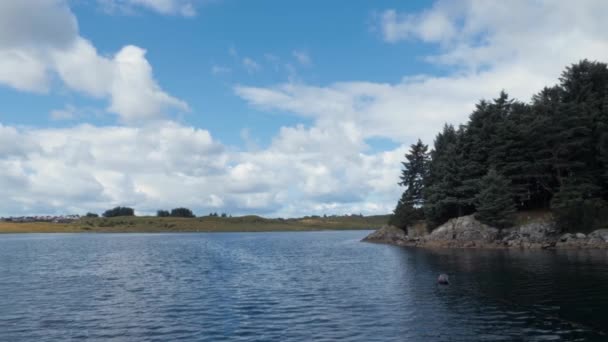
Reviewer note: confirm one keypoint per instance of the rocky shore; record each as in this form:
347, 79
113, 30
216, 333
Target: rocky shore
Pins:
467, 232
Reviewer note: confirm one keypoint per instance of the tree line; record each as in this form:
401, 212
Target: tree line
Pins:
551, 153
176, 212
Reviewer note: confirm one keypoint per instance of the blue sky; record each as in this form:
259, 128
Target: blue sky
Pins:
282, 108
340, 40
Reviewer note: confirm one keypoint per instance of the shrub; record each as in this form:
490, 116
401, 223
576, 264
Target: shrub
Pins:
181, 212
119, 211
91, 215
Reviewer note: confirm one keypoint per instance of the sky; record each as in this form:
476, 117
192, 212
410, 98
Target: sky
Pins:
277, 108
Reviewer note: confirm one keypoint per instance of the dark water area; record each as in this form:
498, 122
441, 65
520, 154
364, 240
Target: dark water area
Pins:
322, 286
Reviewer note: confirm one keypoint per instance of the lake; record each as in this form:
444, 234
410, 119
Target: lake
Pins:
297, 286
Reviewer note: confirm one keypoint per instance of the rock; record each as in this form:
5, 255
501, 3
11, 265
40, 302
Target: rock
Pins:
547, 245
387, 234
565, 237
580, 235
463, 230
600, 234
538, 231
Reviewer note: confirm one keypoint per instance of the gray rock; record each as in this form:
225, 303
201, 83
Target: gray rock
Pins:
464, 230
565, 237
387, 234
537, 231
600, 234
580, 235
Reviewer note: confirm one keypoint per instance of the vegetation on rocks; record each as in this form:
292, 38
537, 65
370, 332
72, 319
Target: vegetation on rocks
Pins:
549, 154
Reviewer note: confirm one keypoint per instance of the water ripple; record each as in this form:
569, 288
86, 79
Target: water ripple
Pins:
320, 286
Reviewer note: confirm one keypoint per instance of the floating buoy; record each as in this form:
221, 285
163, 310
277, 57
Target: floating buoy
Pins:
443, 279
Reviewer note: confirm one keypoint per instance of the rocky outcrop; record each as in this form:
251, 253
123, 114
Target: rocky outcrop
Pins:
463, 231
467, 232
595, 239
387, 234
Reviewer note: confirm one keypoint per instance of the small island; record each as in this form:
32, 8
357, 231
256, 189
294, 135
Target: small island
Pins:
515, 175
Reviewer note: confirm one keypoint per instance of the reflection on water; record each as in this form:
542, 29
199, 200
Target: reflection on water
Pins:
291, 286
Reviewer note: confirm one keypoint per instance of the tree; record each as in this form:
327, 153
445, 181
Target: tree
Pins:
443, 185
576, 208
89, 214
163, 213
415, 170
405, 214
119, 211
494, 202
181, 212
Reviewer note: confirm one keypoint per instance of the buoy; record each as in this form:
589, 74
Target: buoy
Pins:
443, 279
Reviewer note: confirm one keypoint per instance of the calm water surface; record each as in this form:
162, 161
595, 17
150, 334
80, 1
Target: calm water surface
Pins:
322, 286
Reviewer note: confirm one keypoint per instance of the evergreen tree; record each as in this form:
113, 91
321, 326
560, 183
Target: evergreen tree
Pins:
415, 169
551, 153
443, 199
494, 202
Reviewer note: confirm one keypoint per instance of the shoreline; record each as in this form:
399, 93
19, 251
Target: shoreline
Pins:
467, 233
145, 224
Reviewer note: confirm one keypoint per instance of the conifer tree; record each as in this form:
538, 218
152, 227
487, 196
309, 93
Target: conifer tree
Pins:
494, 202
442, 197
415, 170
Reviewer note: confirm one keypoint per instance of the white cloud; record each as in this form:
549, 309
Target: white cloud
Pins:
32, 49
184, 8
165, 164
519, 46
430, 26
67, 113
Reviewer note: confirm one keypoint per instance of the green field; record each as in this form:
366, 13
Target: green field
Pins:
144, 224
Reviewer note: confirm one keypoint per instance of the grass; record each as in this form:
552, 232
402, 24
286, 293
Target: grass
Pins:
149, 224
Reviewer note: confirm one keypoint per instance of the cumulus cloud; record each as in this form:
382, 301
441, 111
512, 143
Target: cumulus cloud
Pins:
519, 46
165, 164
40, 39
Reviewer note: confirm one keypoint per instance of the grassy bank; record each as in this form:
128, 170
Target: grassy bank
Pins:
203, 224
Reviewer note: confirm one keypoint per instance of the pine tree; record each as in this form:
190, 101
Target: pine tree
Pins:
494, 202
415, 170
443, 199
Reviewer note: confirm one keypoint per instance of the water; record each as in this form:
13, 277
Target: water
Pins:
323, 286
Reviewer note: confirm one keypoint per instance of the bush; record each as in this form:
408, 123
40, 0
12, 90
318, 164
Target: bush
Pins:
119, 211
91, 215
182, 212
163, 213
